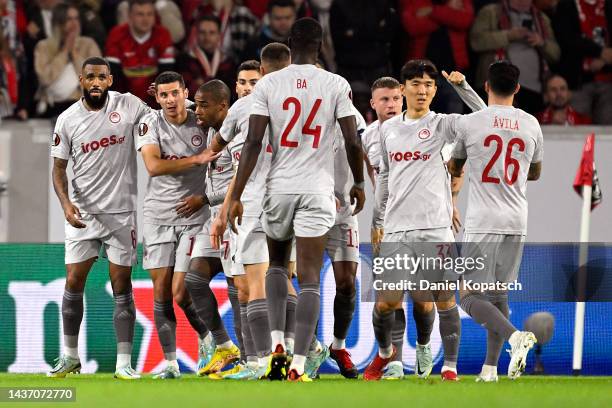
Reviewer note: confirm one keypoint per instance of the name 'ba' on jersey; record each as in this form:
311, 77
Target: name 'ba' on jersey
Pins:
413, 168
175, 142
303, 103
101, 145
500, 143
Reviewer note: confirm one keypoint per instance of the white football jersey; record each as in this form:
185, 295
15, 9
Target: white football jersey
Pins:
343, 177
500, 144
164, 193
235, 130
101, 145
371, 143
303, 103
413, 173
220, 173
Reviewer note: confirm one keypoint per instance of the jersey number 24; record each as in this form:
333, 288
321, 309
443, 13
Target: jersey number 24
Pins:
307, 129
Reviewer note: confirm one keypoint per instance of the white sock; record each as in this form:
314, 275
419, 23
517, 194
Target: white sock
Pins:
385, 352
72, 352
395, 363
123, 360
228, 344
298, 363
338, 344
262, 361
513, 337
173, 363
488, 370
290, 344
447, 368
278, 337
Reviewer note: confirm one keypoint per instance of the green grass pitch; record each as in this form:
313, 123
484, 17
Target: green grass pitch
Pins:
101, 390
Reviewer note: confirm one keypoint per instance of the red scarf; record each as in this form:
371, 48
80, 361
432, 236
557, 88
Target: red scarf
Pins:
572, 117
11, 78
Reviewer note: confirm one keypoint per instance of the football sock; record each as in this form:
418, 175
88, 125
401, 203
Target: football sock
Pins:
72, 315
495, 343
290, 322
195, 322
165, 322
206, 306
247, 338
124, 318
450, 331
276, 298
344, 307
484, 313
257, 316
232, 294
397, 333
306, 316
424, 324
383, 324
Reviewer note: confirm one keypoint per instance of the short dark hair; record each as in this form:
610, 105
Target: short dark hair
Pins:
96, 61
276, 54
132, 3
59, 15
211, 18
280, 3
168, 77
249, 65
218, 89
503, 77
418, 68
550, 77
306, 34
385, 82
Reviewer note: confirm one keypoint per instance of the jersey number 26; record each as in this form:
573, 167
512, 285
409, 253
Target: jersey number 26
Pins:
508, 160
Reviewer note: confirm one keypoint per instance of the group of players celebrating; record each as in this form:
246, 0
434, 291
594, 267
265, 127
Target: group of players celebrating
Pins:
260, 190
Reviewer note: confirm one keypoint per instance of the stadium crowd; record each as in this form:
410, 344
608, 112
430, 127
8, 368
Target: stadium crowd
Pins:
563, 47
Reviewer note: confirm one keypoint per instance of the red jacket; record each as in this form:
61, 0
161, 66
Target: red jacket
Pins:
458, 23
572, 117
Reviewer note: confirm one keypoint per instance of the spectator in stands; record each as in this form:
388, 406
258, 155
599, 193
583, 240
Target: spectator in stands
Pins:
584, 29
281, 15
203, 58
13, 25
169, 16
58, 60
558, 111
516, 30
8, 78
362, 32
238, 24
138, 50
438, 31
91, 23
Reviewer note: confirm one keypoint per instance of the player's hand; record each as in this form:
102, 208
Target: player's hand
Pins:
32, 29
456, 219
338, 204
217, 229
535, 40
235, 211
190, 205
151, 89
376, 238
357, 198
73, 216
455, 77
206, 156
517, 34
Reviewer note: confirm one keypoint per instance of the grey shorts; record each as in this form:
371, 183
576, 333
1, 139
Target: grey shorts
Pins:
168, 245
301, 215
251, 242
501, 255
114, 234
343, 242
203, 248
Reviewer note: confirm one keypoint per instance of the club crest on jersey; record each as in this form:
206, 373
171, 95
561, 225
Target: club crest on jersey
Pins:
424, 134
114, 117
143, 128
56, 139
196, 140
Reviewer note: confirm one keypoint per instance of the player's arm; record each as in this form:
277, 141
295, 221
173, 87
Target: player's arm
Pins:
381, 194
60, 184
456, 184
464, 90
369, 168
220, 222
354, 155
156, 166
535, 169
218, 143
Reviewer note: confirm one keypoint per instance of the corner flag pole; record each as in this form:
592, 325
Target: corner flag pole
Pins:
583, 256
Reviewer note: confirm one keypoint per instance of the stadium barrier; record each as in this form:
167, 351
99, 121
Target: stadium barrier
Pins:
32, 282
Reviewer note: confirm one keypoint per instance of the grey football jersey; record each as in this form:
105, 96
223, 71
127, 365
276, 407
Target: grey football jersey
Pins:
303, 103
220, 173
101, 145
164, 193
343, 177
500, 144
371, 143
234, 131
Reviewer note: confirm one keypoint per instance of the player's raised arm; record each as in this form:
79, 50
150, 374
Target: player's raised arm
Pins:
464, 90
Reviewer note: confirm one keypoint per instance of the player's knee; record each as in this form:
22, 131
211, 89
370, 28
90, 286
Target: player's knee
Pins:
181, 298
446, 304
423, 307
74, 283
346, 286
386, 307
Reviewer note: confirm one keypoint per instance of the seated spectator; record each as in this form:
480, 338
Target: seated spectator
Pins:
92, 25
169, 16
13, 25
138, 50
58, 60
203, 59
516, 30
281, 15
438, 31
558, 111
584, 28
238, 24
362, 32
